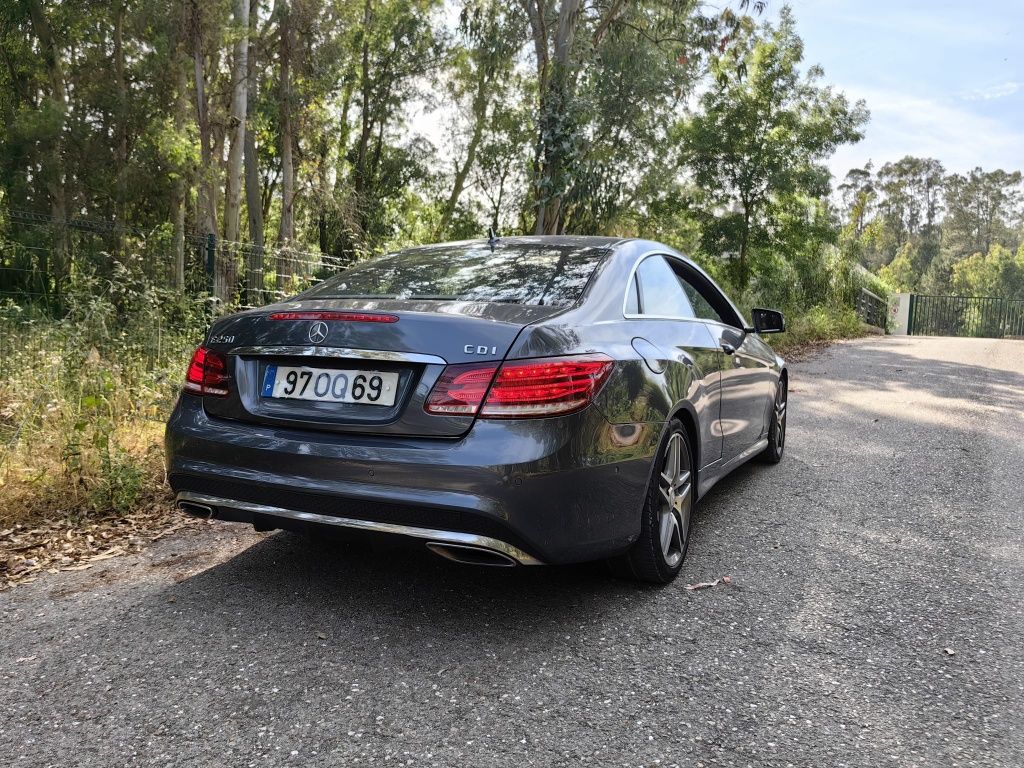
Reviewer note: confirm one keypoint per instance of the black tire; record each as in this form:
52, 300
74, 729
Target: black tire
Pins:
653, 558
777, 429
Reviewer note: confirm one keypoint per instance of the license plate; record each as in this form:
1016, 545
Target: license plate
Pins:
330, 385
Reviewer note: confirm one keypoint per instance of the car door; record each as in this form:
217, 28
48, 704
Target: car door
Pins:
746, 371
693, 357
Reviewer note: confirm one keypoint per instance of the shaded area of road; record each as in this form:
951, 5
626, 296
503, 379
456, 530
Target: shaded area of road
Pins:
874, 618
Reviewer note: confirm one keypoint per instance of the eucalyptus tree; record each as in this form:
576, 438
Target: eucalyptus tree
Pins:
984, 209
911, 197
760, 137
482, 69
572, 42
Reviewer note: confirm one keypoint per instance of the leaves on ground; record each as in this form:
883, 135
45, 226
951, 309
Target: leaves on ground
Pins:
69, 544
724, 580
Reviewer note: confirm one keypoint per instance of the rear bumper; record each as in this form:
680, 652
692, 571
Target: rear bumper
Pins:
262, 514
558, 490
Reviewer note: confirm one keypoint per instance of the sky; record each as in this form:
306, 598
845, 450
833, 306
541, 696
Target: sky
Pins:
942, 79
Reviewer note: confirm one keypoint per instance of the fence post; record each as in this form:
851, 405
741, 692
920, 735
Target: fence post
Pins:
211, 258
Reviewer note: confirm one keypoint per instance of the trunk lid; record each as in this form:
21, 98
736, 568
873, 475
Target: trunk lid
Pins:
407, 354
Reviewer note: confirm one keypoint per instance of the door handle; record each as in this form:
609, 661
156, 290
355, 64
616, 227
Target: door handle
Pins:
728, 348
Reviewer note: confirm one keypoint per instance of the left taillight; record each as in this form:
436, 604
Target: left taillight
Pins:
207, 373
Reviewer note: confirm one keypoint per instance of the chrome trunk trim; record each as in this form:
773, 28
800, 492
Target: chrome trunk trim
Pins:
343, 352
457, 538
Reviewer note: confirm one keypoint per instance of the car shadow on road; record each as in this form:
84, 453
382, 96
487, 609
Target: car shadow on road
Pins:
408, 595
402, 595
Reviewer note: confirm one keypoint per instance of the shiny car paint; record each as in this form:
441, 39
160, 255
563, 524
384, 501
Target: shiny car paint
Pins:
559, 489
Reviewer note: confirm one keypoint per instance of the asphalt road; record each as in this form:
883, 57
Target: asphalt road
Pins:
874, 618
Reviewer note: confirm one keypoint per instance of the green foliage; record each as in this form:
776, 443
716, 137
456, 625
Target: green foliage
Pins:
1000, 272
816, 325
895, 226
900, 273
757, 144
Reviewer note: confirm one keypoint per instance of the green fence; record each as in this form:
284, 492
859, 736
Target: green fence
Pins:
979, 316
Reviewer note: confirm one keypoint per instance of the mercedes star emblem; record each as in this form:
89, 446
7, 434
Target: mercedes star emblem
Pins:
318, 331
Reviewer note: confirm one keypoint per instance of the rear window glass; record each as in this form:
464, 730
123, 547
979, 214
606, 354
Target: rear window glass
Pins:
513, 273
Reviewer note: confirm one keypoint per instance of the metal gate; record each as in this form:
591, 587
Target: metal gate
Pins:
979, 316
872, 309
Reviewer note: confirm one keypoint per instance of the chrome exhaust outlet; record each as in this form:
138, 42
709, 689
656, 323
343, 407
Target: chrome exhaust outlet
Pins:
470, 555
204, 511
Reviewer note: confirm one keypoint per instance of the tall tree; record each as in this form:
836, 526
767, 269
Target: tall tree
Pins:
253, 196
984, 209
55, 108
493, 33
237, 117
762, 138
286, 230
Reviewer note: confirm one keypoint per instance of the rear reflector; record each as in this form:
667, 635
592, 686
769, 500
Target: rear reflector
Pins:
521, 388
207, 373
351, 317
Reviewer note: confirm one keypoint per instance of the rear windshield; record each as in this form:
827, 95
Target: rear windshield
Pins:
513, 273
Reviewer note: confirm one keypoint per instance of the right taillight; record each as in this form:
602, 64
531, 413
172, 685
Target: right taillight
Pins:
520, 388
207, 373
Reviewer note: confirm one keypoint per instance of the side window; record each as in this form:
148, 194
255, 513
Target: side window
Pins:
661, 292
701, 306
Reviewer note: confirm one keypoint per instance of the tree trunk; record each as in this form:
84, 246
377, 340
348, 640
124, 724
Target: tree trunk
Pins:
121, 192
180, 188
741, 277
555, 102
253, 195
237, 119
459, 183
206, 203
54, 172
286, 233
360, 175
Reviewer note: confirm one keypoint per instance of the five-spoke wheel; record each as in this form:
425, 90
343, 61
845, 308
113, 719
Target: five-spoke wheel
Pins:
657, 555
675, 487
777, 428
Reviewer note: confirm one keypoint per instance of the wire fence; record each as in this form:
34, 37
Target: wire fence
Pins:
82, 299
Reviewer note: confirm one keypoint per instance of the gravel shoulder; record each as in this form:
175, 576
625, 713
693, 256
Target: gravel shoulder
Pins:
874, 617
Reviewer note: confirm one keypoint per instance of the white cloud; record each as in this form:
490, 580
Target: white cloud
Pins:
909, 124
991, 92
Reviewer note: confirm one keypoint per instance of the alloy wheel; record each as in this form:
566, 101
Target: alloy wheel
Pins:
780, 417
676, 491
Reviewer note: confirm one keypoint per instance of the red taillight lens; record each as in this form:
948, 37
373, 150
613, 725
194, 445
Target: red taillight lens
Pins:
207, 373
546, 387
461, 389
352, 317
521, 388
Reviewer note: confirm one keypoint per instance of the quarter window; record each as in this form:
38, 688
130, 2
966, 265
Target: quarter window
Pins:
661, 292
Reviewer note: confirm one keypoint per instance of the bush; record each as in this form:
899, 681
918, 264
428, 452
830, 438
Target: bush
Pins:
819, 324
83, 399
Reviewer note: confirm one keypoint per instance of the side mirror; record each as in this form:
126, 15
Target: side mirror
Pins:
768, 320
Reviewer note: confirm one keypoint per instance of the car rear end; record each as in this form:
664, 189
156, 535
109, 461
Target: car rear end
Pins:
371, 406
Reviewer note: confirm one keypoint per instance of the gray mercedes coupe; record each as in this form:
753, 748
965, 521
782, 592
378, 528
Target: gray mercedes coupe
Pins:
520, 400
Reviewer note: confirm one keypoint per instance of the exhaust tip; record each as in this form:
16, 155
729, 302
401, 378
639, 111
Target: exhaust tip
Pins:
196, 510
470, 555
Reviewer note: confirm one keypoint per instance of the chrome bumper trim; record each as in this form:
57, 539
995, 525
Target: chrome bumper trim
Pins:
450, 537
343, 352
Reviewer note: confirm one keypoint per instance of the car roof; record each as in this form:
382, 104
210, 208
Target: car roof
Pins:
553, 241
